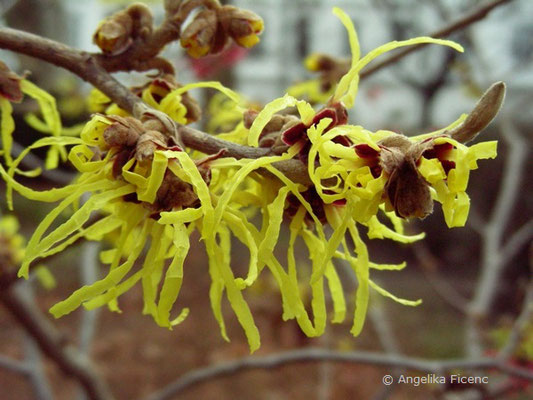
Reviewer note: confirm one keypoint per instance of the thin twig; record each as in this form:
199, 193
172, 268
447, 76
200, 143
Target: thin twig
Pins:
517, 331
440, 367
382, 325
510, 189
383, 328
517, 240
12, 365
429, 265
37, 376
463, 22
491, 260
475, 221
52, 343
89, 274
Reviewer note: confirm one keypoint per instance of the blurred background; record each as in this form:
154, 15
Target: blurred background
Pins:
451, 270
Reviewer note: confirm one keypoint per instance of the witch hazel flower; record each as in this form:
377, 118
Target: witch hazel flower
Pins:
152, 192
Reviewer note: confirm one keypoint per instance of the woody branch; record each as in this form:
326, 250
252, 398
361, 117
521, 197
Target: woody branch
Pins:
96, 68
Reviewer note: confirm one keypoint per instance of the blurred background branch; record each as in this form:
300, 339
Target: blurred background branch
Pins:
492, 262
199, 376
137, 360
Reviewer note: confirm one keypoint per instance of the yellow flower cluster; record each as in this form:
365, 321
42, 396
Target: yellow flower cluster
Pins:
11, 242
157, 201
51, 124
12, 251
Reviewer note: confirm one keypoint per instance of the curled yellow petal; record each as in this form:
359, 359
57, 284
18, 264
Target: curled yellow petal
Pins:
352, 33
47, 103
377, 230
173, 277
7, 128
110, 281
383, 292
264, 116
347, 88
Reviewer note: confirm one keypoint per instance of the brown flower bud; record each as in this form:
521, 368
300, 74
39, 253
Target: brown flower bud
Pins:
203, 36
113, 36
273, 141
398, 145
276, 123
120, 159
123, 132
172, 6
331, 69
163, 85
149, 142
153, 125
177, 11
116, 33
174, 193
483, 113
243, 26
407, 190
248, 118
320, 62
10, 84
117, 135
272, 132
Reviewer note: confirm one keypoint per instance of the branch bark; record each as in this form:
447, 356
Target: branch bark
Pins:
87, 67
78, 62
94, 68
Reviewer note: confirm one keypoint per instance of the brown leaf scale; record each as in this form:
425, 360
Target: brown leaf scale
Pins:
149, 142
10, 84
118, 135
174, 193
406, 189
365, 151
120, 159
